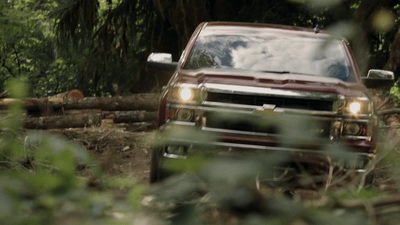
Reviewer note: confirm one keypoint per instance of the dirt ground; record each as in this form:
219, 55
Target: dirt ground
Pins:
125, 149
120, 150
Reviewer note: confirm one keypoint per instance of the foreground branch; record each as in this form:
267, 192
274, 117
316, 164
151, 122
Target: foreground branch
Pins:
388, 111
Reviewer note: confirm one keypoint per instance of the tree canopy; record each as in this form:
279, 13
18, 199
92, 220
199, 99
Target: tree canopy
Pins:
97, 45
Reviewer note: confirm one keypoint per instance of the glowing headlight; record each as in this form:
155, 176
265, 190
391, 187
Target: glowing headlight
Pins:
354, 107
357, 106
185, 94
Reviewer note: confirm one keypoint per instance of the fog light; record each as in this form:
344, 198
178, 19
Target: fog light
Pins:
185, 115
176, 150
352, 129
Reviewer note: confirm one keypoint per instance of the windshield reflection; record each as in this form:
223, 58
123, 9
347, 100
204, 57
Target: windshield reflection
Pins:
282, 54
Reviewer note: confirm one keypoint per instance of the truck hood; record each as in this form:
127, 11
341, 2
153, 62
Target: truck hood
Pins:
286, 81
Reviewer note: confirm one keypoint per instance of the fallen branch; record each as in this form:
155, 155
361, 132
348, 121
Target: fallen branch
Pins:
388, 111
383, 103
376, 203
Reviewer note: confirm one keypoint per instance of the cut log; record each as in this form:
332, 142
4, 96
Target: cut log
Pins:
131, 116
66, 121
43, 106
86, 118
81, 111
46, 106
72, 94
134, 102
5, 102
30, 103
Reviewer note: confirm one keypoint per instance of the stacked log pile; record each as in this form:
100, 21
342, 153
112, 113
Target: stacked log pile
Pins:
72, 109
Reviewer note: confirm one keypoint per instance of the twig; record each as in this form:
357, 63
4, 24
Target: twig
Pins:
14, 164
383, 103
47, 166
105, 135
375, 203
5, 93
330, 174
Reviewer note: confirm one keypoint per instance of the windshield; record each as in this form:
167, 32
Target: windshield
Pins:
271, 53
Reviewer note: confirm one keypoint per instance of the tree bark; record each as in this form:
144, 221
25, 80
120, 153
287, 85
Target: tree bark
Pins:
66, 121
393, 62
81, 111
5, 102
389, 111
131, 116
72, 94
47, 105
134, 102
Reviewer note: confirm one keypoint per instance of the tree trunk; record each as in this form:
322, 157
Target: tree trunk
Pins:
134, 102
393, 62
66, 121
131, 116
5, 102
81, 111
45, 106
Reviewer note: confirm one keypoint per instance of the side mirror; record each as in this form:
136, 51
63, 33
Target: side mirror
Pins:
160, 58
161, 61
378, 78
160, 66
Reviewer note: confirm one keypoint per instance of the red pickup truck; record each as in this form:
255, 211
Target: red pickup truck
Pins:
266, 88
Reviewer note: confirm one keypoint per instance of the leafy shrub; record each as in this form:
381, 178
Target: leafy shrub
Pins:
41, 182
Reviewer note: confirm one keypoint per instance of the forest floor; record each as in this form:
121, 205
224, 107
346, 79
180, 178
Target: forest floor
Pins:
122, 151
119, 149
125, 149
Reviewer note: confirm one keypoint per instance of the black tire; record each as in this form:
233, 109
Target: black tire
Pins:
155, 161
369, 179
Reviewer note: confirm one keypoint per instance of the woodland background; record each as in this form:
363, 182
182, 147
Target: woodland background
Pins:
100, 46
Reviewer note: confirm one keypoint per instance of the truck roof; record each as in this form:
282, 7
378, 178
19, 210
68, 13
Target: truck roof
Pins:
235, 27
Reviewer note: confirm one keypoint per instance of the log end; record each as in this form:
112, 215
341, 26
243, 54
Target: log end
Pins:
75, 94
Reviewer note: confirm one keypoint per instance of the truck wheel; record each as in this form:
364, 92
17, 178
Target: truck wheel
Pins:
155, 165
369, 179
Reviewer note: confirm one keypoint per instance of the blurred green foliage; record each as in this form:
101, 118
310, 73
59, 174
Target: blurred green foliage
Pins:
41, 182
28, 49
239, 187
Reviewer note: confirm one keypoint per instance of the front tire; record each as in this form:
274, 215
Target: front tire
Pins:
155, 161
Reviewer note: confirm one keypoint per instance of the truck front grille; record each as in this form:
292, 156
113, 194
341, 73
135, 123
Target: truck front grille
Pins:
319, 127
281, 102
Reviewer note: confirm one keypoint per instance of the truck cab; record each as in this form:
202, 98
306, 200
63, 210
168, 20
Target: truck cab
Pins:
242, 87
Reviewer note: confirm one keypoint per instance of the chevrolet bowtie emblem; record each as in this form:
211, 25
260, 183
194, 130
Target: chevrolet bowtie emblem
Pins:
266, 109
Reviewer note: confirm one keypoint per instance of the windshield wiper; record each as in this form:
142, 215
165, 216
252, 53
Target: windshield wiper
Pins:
275, 71
284, 72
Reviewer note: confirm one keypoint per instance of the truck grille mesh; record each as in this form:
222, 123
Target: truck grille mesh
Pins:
318, 127
282, 102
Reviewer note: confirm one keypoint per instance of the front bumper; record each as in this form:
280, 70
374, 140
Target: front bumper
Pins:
180, 142
229, 118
